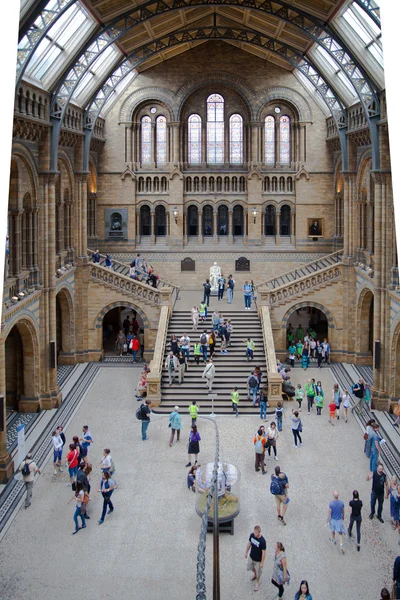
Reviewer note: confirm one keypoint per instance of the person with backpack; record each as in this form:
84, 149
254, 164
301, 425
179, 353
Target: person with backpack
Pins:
197, 352
175, 423
231, 286
279, 415
193, 411
248, 293
260, 440
79, 496
207, 292
358, 390
296, 427
235, 400
28, 468
278, 488
204, 345
252, 387
107, 487
221, 287
209, 374
143, 414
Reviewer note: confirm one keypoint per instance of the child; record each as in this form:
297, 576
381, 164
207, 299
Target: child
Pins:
263, 402
299, 394
292, 352
193, 411
235, 400
337, 399
319, 401
299, 349
332, 412
250, 349
202, 311
223, 349
346, 404
279, 415
197, 352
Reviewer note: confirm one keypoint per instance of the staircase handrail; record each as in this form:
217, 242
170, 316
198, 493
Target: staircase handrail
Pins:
154, 377
274, 378
273, 283
160, 282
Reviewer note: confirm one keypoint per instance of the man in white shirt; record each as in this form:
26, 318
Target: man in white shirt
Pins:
209, 374
185, 345
204, 338
57, 451
171, 364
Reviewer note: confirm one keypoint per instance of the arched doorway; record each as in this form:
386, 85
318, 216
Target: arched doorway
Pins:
193, 221
114, 320
270, 220
21, 365
208, 228
145, 220
238, 220
307, 318
285, 220
223, 222
366, 328
65, 335
161, 221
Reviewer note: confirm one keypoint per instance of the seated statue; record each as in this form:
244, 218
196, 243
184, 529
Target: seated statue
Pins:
215, 274
116, 224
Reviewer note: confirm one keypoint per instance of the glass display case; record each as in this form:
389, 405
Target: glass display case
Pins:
228, 487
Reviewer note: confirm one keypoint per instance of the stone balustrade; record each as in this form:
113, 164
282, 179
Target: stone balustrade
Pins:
156, 367
274, 379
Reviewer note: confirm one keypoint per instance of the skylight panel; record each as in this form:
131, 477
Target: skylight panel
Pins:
355, 24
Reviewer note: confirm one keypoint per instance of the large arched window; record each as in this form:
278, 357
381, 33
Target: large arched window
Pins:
215, 129
236, 139
161, 137
146, 140
269, 139
284, 140
194, 140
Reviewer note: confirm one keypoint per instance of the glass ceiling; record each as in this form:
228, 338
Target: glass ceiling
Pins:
58, 46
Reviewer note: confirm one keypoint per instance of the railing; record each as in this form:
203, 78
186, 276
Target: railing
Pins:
303, 271
123, 269
154, 377
274, 379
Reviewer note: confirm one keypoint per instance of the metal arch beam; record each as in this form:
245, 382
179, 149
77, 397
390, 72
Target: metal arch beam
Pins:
37, 31
372, 10
32, 14
311, 26
239, 34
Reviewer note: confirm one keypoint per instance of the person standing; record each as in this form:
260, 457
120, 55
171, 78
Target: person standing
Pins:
207, 292
79, 495
235, 400
57, 451
279, 415
185, 345
319, 401
204, 345
182, 364
332, 412
72, 463
258, 550
263, 402
229, 329
358, 392
145, 414
259, 442
194, 446
252, 387
280, 574
197, 352
396, 576
310, 393
141, 342
250, 347
221, 287
193, 411
96, 256
303, 592
231, 286
272, 436
135, 347
175, 423
296, 427
299, 395
336, 519
211, 343
326, 350
172, 365
86, 441
375, 448
202, 311
28, 468
209, 374
319, 352
247, 292
292, 353
346, 404
355, 517
107, 487
215, 320
305, 356
379, 483
195, 317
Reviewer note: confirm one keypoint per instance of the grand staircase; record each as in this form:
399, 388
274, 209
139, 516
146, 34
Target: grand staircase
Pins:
231, 370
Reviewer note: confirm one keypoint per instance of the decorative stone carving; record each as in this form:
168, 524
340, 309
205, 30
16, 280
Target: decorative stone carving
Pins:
215, 274
115, 221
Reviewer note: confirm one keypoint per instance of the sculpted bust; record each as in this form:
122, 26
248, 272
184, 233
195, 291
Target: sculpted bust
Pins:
215, 274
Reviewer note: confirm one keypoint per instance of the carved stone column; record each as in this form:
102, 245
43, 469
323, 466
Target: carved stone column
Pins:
278, 227
6, 462
215, 226
200, 226
153, 229
293, 228
230, 227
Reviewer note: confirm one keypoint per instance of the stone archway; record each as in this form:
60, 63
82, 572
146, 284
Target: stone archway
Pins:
143, 320
22, 367
65, 326
395, 364
365, 326
305, 315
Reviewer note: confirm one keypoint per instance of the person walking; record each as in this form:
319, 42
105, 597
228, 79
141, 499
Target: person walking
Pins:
279, 411
221, 287
172, 365
358, 392
209, 374
258, 550
141, 343
310, 393
28, 468
379, 484
195, 317
355, 517
204, 345
134, 345
79, 496
304, 591
211, 343
319, 401
252, 387
145, 414
231, 286
120, 342
185, 345
57, 452
82, 477
250, 347
346, 404
175, 423
272, 436
336, 519
202, 311
215, 320
299, 395
292, 354
263, 402
280, 574
375, 448
259, 442
86, 441
305, 356
194, 446
394, 501
235, 401
278, 488
229, 329
107, 487
182, 365
72, 463
207, 292
326, 350
247, 292
197, 352
296, 427
193, 411
319, 352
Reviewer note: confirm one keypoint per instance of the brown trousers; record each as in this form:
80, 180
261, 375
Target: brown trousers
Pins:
260, 461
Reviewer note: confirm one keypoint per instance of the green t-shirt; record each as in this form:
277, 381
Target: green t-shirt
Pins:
251, 345
197, 349
319, 401
193, 410
235, 397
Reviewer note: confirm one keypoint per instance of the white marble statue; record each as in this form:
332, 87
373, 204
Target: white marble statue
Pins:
215, 274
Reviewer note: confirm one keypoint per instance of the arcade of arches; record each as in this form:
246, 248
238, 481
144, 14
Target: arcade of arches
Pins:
209, 152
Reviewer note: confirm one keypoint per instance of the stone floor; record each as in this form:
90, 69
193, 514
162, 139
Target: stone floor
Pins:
147, 549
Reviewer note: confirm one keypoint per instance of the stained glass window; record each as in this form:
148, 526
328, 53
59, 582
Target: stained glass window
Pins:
146, 140
236, 139
284, 140
269, 139
161, 134
194, 139
215, 129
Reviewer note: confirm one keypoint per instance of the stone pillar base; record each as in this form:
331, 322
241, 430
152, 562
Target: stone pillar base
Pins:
51, 400
6, 468
32, 405
66, 358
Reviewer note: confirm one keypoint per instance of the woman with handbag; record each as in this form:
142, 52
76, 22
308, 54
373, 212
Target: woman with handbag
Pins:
72, 464
272, 436
79, 496
105, 463
280, 574
107, 487
193, 446
346, 404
